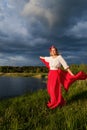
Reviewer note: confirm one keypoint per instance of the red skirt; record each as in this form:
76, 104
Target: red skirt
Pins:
56, 78
54, 89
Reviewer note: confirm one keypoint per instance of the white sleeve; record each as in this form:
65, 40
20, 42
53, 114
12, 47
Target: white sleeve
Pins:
63, 62
47, 59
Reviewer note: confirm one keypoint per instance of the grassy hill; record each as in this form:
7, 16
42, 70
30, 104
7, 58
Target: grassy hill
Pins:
29, 111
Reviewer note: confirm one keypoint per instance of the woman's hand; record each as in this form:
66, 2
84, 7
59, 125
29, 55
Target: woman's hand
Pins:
42, 57
70, 72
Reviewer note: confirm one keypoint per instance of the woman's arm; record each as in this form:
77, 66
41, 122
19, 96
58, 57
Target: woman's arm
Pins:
64, 64
42, 57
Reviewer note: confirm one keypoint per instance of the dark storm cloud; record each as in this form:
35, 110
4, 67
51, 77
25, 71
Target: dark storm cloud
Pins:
28, 28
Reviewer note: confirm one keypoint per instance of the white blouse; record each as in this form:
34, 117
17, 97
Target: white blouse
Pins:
56, 63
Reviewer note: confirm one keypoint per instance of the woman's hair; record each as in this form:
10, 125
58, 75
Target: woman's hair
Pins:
55, 49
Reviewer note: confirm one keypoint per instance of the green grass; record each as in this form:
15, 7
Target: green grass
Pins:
29, 112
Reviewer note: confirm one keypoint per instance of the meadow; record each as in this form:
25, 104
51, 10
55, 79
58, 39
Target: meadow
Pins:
29, 111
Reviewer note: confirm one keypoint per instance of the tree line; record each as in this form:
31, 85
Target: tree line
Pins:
23, 69
38, 69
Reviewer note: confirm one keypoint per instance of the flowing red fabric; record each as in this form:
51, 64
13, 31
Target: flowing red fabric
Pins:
55, 79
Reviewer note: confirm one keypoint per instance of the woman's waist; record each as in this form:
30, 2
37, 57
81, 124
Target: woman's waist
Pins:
54, 68
54, 72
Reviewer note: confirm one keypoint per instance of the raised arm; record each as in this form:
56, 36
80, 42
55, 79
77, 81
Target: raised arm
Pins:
42, 57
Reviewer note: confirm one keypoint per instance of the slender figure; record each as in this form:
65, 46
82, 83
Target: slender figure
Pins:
58, 77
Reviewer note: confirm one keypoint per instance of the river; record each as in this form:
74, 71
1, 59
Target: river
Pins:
15, 86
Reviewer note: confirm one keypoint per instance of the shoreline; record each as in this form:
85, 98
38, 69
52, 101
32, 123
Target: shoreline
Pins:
35, 75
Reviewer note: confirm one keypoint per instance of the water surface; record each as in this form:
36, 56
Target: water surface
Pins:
11, 86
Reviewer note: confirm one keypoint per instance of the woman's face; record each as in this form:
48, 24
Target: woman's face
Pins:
53, 51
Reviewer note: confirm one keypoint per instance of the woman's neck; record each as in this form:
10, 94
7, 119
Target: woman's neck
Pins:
54, 56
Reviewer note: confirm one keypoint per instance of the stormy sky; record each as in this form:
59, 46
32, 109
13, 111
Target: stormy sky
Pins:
29, 27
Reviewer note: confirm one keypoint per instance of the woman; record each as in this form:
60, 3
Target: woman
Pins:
57, 76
